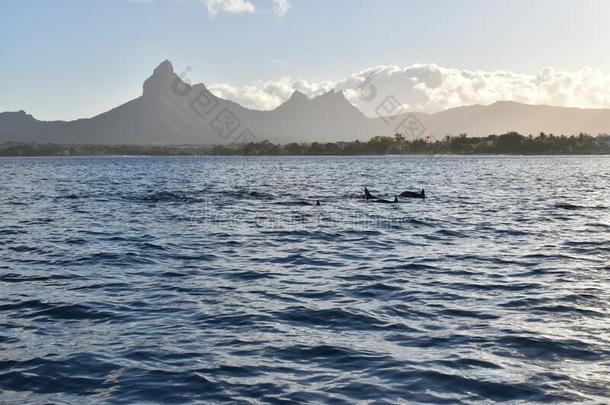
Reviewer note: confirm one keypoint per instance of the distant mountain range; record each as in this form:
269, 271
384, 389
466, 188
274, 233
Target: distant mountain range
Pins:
170, 111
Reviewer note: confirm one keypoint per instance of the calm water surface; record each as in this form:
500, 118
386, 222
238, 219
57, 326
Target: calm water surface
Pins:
176, 280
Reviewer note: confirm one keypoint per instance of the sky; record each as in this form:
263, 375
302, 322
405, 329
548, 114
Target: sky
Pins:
67, 59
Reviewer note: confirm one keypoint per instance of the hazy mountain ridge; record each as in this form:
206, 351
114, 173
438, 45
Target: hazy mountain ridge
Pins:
170, 111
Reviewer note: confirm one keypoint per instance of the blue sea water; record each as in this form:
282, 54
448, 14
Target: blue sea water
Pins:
209, 280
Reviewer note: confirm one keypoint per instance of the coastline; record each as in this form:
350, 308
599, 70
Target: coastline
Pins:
511, 143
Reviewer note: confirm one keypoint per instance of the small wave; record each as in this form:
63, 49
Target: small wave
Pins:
47, 376
451, 233
115, 259
109, 286
574, 207
546, 348
29, 249
250, 195
74, 312
463, 313
44, 310
30, 305
298, 259
335, 318
377, 290
10, 232
167, 197
482, 389
20, 278
294, 203
570, 310
69, 197
337, 357
469, 363
597, 244
249, 275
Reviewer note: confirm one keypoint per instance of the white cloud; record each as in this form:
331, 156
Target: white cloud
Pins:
270, 94
228, 6
432, 88
281, 7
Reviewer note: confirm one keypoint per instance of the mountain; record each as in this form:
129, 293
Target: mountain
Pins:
170, 111
505, 116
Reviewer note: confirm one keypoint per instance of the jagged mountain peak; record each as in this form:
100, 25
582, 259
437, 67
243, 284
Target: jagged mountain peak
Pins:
297, 100
331, 101
334, 100
298, 96
160, 80
165, 66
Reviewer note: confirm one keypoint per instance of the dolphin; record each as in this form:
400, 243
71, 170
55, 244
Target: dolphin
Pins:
413, 194
370, 197
381, 200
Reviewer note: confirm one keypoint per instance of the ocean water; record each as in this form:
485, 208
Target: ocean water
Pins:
209, 280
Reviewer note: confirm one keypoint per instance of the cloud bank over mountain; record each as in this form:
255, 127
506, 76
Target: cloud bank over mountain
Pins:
432, 88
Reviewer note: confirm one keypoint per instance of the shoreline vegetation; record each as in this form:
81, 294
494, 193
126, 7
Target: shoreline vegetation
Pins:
509, 143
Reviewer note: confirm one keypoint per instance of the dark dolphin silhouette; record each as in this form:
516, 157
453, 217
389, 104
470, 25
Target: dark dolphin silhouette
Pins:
383, 201
370, 197
413, 194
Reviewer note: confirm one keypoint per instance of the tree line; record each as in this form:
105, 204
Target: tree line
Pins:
509, 143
